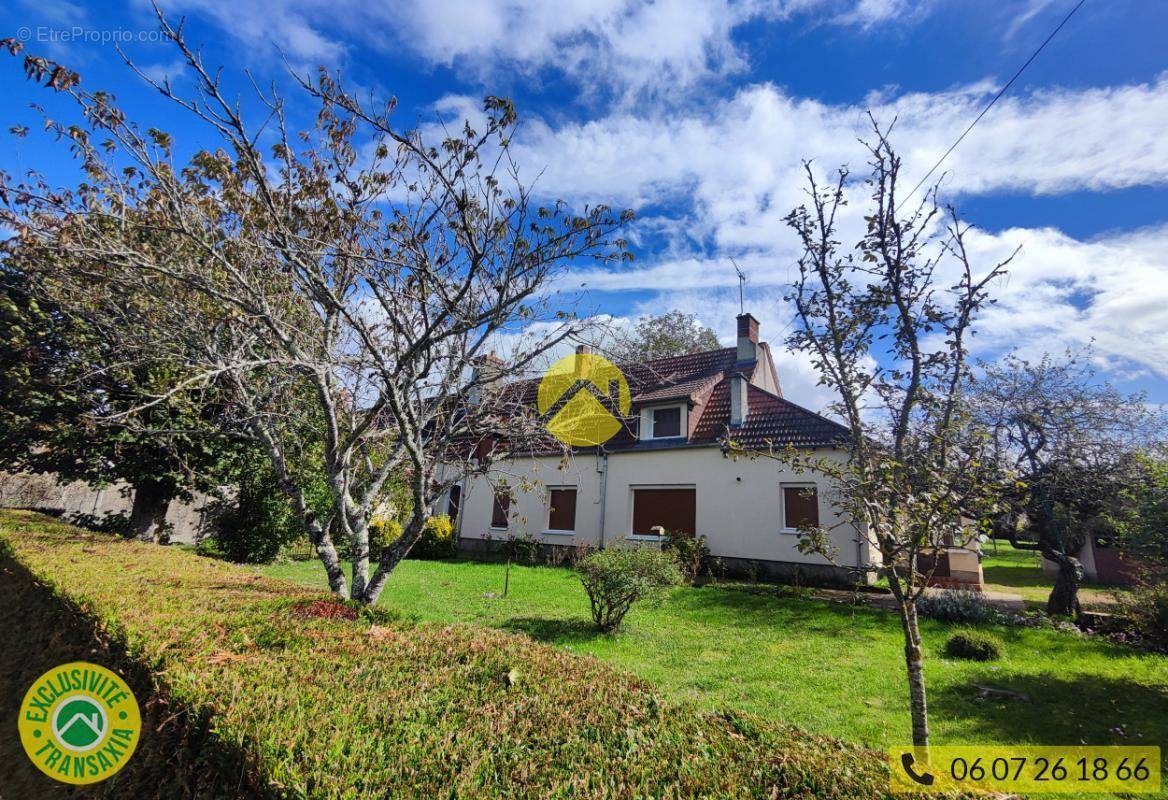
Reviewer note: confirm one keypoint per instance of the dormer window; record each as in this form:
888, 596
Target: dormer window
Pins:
666, 422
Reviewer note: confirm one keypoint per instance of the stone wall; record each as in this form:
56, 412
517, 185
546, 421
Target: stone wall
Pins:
190, 521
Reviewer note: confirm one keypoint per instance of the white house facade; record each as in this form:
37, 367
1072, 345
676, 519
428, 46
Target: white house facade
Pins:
667, 471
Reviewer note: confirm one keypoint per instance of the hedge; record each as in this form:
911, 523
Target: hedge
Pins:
318, 700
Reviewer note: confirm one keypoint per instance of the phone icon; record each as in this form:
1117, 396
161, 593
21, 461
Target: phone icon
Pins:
907, 761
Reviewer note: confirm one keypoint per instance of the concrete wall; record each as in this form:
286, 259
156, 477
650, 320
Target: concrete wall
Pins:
189, 520
738, 503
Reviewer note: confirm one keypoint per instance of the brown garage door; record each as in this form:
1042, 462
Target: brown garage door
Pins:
672, 509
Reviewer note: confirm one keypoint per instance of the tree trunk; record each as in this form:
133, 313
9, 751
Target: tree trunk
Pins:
327, 553
915, 663
388, 561
914, 658
360, 561
1064, 598
148, 514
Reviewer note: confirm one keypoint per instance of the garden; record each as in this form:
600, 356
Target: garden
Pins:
322, 326
257, 687
778, 652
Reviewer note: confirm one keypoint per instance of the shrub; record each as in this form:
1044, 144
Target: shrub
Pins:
437, 540
318, 705
522, 549
1146, 608
974, 645
383, 531
692, 554
955, 605
257, 523
620, 576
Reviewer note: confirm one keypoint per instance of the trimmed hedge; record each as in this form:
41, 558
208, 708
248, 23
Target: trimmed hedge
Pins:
322, 701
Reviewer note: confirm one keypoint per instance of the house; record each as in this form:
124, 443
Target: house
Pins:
665, 470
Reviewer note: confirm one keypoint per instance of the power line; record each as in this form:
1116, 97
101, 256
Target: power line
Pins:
997, 96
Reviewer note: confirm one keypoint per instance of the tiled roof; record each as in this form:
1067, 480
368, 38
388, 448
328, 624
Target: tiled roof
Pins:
703, 379
770, 422
661, 378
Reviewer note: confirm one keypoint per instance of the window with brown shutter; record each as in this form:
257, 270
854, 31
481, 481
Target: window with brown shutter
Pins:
800, 507
502, 509
562, 510
674, 510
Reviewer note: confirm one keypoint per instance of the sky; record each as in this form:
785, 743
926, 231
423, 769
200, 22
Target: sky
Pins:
697, 114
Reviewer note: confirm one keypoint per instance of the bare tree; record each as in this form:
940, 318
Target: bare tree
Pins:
1069, 442
887, 327
353, 276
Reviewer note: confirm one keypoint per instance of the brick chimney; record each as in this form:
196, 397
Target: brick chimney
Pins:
747, 337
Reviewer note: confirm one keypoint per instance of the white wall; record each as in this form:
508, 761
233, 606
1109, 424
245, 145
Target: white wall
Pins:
530, 480
738, 503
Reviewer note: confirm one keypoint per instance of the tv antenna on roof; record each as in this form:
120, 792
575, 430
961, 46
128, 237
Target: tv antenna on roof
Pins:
741, 287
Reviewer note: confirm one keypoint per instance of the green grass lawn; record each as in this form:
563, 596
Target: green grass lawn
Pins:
1008, 569
827, 667
258, 688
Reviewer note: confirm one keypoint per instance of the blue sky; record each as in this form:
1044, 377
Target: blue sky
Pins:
696, 113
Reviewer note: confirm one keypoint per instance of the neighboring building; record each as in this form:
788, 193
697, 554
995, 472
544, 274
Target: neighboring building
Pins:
1103, 563
666, 471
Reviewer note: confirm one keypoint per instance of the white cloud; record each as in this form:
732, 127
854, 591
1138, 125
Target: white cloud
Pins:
1062, 292
742, 157
630, 45
171, 70
720, 176
1030, 10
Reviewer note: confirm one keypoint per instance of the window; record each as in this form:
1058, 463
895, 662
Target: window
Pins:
800, 507
562, 510
502, 508
672, 510
666, 422
454, 501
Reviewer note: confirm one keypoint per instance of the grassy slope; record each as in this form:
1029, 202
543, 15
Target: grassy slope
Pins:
335, 708
830, 668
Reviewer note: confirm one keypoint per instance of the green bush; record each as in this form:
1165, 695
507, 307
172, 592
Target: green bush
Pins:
1146, 609
617, 577
322, 702
692, 554
974, 645
257, 523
